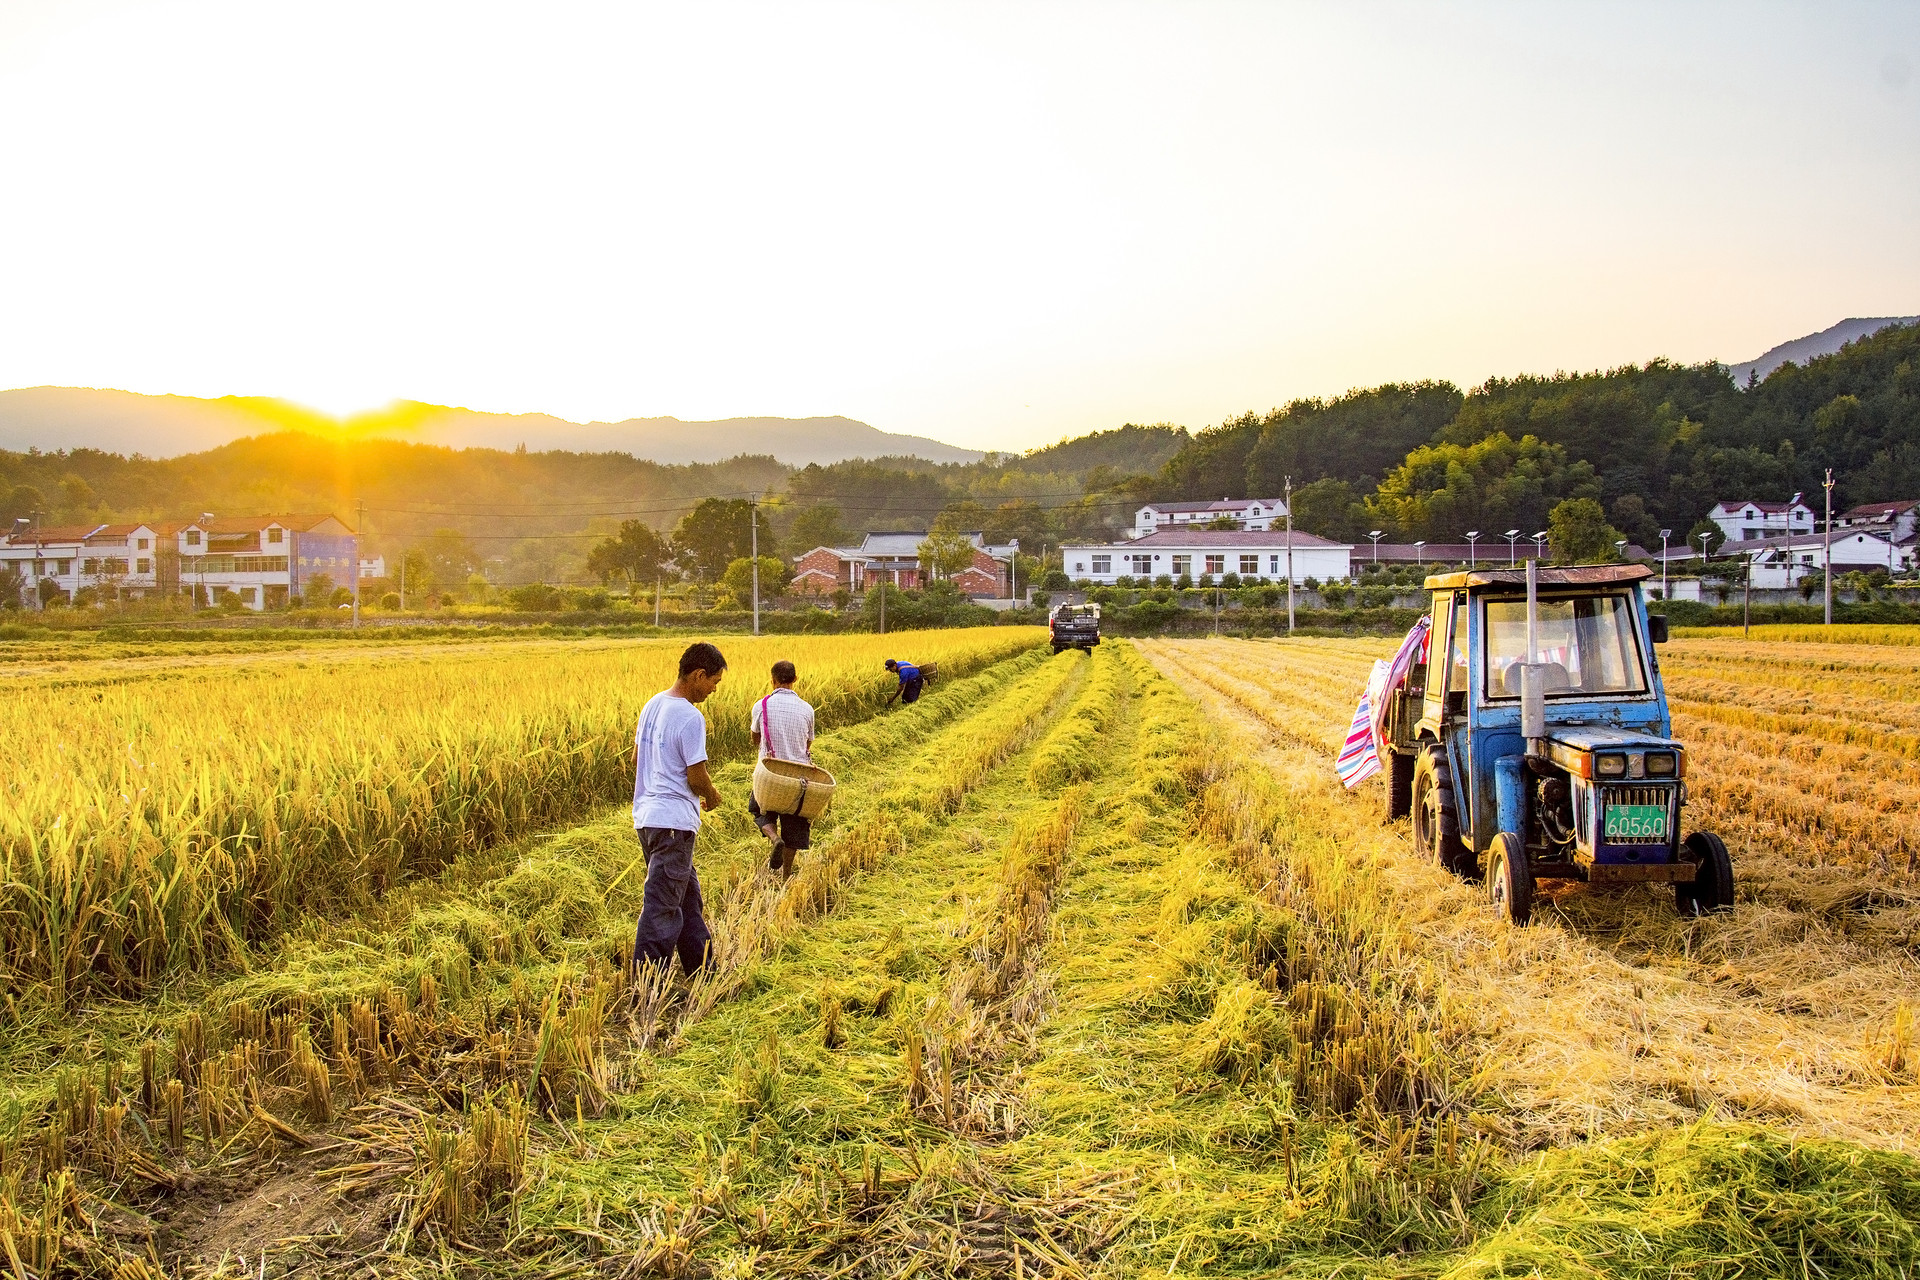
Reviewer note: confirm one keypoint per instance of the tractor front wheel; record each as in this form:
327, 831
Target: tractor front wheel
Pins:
1436, 819
1509, 878
1711, 890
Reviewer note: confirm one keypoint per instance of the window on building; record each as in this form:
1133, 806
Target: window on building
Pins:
1182, 564
143, 566
251, 595
273, 535
1142, 566
89, 566
1079, 566
193, 537
1216, 564
1273, 564
1103, 564
142, 544
63, 567
1250, 566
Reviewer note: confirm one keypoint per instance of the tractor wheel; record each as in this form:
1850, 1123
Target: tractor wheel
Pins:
1509, 878
1436, 819
1398, 776
1711, 890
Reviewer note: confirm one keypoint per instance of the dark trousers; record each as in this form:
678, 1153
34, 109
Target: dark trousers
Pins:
795, 832
910, 690
671, 916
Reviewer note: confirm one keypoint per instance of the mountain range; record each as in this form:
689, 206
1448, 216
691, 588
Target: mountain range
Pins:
1823, 343
54, 418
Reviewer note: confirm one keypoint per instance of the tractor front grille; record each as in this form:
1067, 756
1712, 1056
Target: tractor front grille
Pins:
1659, 795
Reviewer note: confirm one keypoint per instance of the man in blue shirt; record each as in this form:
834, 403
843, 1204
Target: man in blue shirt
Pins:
912, 680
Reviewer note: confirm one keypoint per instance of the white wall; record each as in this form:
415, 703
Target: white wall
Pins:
1322, 563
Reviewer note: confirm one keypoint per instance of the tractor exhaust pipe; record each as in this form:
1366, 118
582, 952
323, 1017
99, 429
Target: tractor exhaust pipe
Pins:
1533, 676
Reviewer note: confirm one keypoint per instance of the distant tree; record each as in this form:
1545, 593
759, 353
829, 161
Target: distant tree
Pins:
1329, 509
12, 584
818, 526
1578, 532
1222, 522
1443, 490
318, 590
774, 576
1024, 519
945, 553
636, 554
22, 503
77, 497
1630, 516
964, 516
717, 532
451, 559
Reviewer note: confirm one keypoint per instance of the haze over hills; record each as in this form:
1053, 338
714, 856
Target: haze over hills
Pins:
56, 418
1823, 343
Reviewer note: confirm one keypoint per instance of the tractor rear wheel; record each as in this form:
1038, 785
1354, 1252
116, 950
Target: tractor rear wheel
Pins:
1509, 878
1398, 776
1711, 890
1436, 819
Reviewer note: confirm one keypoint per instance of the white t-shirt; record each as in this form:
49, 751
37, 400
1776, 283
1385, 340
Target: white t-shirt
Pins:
784, 722
671, 735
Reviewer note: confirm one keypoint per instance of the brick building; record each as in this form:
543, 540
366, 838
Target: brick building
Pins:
895, 557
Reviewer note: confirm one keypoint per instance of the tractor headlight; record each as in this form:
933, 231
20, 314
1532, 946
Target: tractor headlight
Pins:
1661, 764
1610, 766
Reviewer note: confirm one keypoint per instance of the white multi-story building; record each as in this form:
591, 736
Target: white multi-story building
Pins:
1783, 562
1250, 513
1255, 555
1897, 522
1747, 521
113, 559
263, 559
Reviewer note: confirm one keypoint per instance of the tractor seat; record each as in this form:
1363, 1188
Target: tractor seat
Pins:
1557, 679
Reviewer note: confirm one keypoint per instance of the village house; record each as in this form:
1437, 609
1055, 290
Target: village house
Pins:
1255, 555
1783, 562
1248, 513
1747, 521
895, 557
117, 560
262, 560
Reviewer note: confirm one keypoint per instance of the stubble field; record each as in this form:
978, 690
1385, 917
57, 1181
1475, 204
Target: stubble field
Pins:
1094, 970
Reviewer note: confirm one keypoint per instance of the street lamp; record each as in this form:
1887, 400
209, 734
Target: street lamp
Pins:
1540, 545
1511, 536
1664, 535
1420, 552
1473, 536
1376, 535
1706, 537
1620, 546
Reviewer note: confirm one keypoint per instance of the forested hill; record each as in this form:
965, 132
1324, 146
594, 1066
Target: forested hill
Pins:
1656, 444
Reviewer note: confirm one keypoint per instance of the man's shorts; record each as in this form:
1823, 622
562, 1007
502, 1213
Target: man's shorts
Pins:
795, 832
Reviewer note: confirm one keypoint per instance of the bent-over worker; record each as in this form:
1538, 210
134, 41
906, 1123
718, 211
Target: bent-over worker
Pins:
671, 786
783, 730
912, 680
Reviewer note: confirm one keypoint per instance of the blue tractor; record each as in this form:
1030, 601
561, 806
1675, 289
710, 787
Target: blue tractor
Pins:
1534, 743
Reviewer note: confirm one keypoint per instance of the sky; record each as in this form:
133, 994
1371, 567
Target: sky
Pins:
997, 225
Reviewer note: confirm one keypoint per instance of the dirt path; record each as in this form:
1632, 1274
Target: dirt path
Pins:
1610, 1014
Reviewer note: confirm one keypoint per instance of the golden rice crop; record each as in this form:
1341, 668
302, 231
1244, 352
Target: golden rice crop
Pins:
163, 823
1811, 633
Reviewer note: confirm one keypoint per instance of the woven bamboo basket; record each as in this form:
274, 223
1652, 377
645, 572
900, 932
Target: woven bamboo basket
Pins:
786, 786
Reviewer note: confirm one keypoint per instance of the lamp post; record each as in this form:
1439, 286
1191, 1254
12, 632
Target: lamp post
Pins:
1289, 502
1512, 536
1420, 552
753, 521
1376, 535
1826, 567
1620, 547
1664, 535
1473, 536
1539, 545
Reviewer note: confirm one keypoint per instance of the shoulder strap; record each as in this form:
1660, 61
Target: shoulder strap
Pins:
766, 728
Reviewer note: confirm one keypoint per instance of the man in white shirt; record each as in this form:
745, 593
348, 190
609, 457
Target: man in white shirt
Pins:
671, 787
783, 729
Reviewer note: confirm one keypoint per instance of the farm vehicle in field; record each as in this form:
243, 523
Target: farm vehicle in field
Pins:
1074, 626
1533, 742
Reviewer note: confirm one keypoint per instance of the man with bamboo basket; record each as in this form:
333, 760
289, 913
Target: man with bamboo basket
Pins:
788, 790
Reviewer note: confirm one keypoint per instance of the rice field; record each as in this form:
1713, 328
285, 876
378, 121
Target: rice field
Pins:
1094, 970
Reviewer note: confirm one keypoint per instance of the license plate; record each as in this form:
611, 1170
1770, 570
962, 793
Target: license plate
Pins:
1636, 822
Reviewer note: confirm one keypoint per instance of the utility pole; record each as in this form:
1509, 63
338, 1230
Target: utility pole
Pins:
656, 595
1826, 568
753, 518
1664, 535
1746, 601
1289, 502
403, 581
359, 531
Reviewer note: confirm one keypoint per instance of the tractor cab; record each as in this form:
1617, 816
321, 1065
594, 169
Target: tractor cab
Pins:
1535, 741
